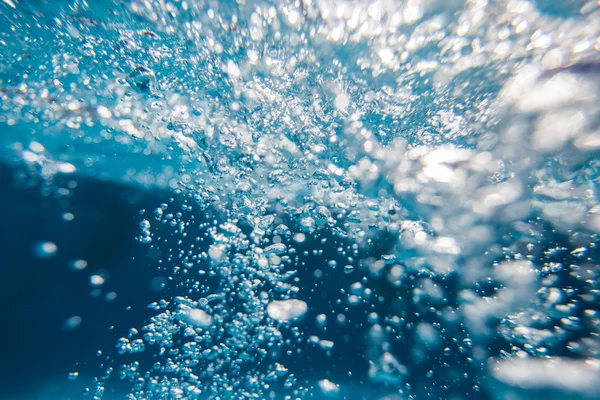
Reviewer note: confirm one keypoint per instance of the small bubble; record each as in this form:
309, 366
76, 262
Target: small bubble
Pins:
293, 17
96, 280
66, 168
233, 70
342, 101
158, 283
299, 237
321, 320
215, 252
197, 318
104, 112
99, 278
287, 310
328, 388
78, 265
68, 217
37, 147
72, 323
45, 249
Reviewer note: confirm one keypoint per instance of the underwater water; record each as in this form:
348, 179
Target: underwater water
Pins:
308, 199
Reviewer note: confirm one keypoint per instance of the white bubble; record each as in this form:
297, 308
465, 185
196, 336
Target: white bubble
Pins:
11, 3
386, 55
104, 112
66, 168
78, 265
45, 249
573, 378
36, 147
68, 217
326, 344
215, 252
321, 320
277, 248
299, 237
342, 101
328, 388
293, 17
287, 310
197, 317
97, 280
233, 70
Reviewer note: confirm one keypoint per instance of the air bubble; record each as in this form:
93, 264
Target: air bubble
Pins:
45, 249
287, 310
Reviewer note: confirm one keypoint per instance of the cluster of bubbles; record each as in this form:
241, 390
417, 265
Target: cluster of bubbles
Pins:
447, 149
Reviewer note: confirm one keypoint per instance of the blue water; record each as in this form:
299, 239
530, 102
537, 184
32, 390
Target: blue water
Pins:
299, 200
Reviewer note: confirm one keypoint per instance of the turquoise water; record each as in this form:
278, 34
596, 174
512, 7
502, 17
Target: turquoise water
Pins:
378, 200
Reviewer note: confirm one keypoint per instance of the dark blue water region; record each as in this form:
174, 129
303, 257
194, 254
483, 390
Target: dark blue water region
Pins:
40, 347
